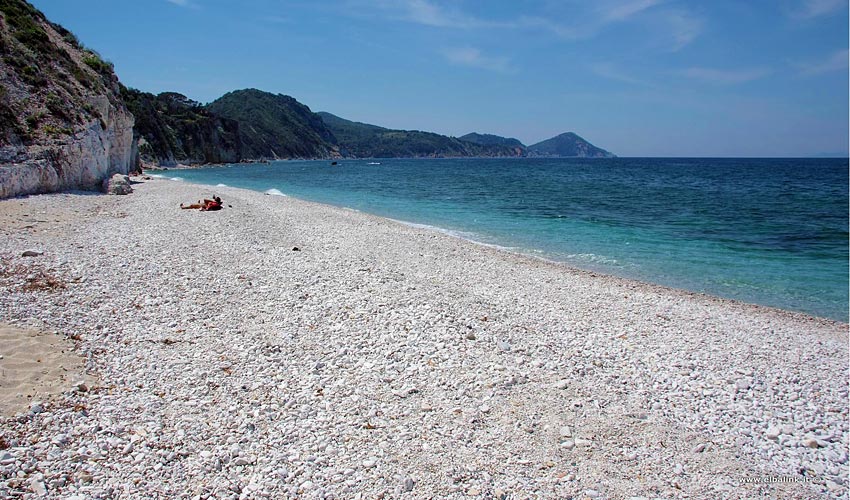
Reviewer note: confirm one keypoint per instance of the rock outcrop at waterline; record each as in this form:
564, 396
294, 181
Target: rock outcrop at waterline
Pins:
63, 124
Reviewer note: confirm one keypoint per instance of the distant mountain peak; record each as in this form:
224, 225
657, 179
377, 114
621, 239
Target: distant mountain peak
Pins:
275, 125
568, 144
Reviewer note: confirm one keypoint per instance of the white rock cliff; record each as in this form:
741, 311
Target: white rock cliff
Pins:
82, 162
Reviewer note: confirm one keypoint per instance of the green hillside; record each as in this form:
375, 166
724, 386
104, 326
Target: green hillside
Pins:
50, 85
361, 140
173, 128
492, 140
275, 126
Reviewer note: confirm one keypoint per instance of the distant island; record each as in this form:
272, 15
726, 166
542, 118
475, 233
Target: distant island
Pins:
68, 122
568, 144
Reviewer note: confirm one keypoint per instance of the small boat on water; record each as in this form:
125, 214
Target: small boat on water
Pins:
333, 163
373, 163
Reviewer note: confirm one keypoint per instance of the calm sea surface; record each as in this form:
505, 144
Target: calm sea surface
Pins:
766, 231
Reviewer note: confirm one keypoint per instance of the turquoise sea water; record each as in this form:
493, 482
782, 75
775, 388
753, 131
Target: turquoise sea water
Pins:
766, 231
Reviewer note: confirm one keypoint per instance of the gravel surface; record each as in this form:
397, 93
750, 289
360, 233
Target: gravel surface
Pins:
285, 349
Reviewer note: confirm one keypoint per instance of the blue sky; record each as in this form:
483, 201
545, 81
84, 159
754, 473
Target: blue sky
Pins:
636, 77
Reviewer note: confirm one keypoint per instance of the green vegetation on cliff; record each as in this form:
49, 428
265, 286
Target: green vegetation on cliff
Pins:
275, 126
50, 85
493, 140
172, 128
361, 140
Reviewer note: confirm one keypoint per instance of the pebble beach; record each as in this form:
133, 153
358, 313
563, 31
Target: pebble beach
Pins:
286, 349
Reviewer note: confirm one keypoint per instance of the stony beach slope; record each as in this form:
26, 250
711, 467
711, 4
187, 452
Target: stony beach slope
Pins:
384, 361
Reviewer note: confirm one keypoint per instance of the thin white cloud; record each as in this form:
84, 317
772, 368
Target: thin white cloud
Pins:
678, 27
473, 58
725, 76
186, 4
623, 10
429, 13
558, 29
684, 28
809, 9
578, 23
588, 23
611, 72
838, 61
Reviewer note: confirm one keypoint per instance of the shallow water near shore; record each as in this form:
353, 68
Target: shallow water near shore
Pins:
766, 231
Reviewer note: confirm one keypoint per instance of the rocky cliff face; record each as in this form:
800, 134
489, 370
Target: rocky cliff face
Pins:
63, 124
82, 161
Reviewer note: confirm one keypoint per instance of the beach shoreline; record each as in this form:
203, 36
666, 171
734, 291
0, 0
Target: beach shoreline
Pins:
789, 257
381, 358
564, 266
590, 273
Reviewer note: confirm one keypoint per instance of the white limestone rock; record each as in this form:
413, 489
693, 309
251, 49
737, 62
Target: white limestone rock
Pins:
117, 184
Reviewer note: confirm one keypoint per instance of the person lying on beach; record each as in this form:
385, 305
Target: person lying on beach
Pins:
207, 206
